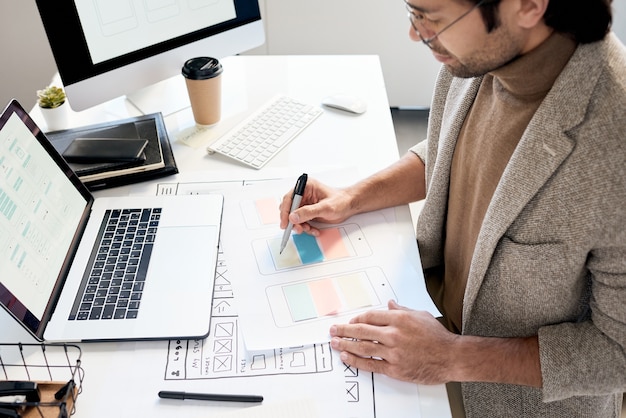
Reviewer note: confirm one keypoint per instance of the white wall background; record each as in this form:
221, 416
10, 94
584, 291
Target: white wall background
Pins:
27, 62
294, 27
619, 19
356, 27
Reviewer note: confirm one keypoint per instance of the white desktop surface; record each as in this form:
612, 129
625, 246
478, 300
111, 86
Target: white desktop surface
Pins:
336, 141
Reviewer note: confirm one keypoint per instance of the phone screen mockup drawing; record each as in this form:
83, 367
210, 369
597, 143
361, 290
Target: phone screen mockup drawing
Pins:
314, 299
333, 244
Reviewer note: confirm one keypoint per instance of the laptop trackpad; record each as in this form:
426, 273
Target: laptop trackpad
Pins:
180, 283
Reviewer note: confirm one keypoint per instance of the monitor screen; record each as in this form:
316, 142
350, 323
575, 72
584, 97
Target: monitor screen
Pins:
109, 48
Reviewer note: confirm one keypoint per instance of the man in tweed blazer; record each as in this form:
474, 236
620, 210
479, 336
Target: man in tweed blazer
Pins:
539, 325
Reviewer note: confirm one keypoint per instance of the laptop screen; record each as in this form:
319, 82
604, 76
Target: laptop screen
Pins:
42, 208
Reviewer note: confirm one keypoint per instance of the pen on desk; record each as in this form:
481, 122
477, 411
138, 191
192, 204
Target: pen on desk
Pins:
166, 394
296, 198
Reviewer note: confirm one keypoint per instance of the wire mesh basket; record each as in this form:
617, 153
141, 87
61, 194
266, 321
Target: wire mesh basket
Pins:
53, 369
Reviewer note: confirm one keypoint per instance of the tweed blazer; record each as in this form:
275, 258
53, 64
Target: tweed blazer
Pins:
550, 259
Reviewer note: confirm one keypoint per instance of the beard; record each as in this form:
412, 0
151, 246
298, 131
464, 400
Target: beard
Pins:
500, 48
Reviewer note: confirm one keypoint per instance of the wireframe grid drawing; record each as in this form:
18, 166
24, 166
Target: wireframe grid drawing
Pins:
223, 355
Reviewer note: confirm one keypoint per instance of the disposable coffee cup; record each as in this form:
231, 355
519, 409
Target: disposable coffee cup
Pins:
204, 85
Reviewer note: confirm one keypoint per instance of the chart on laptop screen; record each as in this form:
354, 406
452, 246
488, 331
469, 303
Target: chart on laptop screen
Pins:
40, 211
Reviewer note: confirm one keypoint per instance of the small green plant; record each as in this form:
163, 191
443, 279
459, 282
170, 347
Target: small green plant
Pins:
51, 97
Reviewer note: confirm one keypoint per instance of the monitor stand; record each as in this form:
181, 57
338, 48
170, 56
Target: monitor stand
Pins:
167, 96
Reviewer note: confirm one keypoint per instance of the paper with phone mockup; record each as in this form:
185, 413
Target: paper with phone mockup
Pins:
292, 298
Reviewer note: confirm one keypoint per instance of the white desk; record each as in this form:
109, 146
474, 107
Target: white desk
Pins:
337, 140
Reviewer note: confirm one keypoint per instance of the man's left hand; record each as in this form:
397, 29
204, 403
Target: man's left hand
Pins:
401, 343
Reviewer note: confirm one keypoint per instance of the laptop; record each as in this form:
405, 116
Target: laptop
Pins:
77, 268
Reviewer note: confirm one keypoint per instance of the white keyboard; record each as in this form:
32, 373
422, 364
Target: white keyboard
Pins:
259, 137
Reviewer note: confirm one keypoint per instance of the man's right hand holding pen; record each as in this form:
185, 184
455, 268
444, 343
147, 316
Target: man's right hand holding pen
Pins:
319, 203
402, 182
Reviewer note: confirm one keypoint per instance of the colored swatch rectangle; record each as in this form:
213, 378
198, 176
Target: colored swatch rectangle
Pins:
355, 293
267, 209
329, 296
325, 297
288, 258
300, 302
305, 249
331, 242
309, 250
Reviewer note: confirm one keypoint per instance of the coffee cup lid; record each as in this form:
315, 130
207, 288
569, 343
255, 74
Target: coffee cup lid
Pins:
202, 68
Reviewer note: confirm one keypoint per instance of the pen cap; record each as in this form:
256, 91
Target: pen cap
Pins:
204, 85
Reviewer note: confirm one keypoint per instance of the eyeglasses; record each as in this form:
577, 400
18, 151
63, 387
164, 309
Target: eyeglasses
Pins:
417, 18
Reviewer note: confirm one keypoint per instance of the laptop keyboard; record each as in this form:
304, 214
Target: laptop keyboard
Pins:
113, 282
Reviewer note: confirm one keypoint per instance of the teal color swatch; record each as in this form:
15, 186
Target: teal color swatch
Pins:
308, 249
300, 301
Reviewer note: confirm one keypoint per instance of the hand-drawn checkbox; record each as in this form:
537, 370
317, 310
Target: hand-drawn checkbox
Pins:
352, 391
350, 371
223, 346
224, 330
222, 363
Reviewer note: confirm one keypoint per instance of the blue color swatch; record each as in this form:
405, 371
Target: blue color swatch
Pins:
309, 250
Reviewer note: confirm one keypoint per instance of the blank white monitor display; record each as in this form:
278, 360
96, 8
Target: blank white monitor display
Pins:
110, 48
114, 27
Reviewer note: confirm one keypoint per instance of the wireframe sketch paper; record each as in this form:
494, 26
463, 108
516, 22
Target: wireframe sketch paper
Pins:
292, 298
224, 359
222, 364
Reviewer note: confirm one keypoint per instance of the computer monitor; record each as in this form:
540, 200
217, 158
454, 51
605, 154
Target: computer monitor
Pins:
109, 48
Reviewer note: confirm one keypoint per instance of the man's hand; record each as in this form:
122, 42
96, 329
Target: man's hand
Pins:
400, 343
413, 346
320, 203
402, 182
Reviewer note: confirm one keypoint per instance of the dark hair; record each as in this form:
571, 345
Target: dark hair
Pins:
584, 20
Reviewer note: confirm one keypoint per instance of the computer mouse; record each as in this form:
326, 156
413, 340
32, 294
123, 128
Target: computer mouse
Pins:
345, 102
